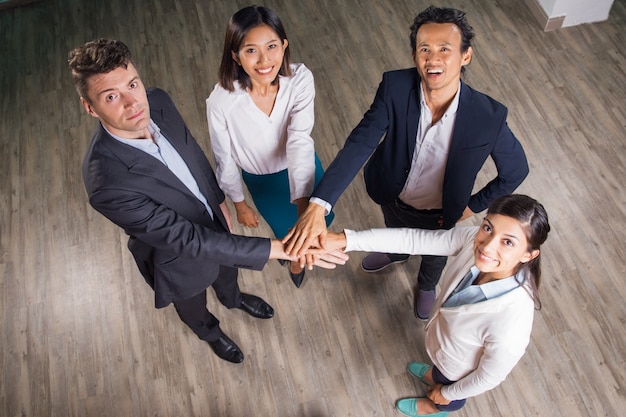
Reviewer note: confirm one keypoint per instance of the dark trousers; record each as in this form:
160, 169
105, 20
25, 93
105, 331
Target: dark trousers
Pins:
398, 214
439, 378
193, 311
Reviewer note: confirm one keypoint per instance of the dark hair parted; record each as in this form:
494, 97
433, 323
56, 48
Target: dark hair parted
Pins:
96, 57
443, 15
534, 220
238, 27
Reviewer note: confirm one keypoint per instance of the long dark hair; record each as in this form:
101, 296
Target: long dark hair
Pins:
238, 27
534, 220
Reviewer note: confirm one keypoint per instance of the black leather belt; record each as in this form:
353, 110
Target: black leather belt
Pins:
404, 206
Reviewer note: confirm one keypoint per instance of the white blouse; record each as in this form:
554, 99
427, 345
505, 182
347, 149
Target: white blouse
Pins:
243, 136
478, 344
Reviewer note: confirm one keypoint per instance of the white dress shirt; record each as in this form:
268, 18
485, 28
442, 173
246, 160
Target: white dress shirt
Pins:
243, 136
424, 186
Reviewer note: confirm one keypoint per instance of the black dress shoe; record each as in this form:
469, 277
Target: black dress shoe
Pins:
226, 349
297, 278
255, 306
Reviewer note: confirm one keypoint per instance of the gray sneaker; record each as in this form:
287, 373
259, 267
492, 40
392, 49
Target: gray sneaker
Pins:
376, 261
424, 301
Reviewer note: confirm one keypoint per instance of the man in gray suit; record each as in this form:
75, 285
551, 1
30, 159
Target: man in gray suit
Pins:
146, 173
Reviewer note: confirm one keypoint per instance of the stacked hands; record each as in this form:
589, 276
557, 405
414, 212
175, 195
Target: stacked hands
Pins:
310, 243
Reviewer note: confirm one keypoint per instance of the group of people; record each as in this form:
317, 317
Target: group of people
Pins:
427, 134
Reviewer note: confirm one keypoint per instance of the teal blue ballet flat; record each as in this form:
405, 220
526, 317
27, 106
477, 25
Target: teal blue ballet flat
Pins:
418, 370
408, 407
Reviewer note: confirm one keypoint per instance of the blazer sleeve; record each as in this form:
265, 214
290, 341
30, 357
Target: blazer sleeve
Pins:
359, 146
511, 164
168, 231
480, 132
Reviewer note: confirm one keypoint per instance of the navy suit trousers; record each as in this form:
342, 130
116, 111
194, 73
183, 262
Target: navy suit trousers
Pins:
399, 214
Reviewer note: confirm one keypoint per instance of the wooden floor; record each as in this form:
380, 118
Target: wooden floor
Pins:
79, 333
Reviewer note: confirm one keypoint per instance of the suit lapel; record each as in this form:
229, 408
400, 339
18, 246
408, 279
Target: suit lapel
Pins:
141, 163
413, 115
176, 133
463, 119
462, 125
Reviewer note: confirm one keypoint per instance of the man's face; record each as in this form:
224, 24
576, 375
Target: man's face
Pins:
118, 98
438, 56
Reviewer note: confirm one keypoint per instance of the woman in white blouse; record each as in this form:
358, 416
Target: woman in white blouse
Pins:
481, 322
260, 118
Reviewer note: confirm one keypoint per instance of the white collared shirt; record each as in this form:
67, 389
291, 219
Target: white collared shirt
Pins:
423, 188
467, 293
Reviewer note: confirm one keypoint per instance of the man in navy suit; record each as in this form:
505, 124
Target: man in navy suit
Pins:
436, 134
146, 173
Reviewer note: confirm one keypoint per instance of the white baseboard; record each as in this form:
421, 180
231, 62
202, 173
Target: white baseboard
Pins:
545, 22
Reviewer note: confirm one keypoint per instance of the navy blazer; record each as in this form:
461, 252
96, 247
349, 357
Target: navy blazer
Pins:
480, 131
178, 247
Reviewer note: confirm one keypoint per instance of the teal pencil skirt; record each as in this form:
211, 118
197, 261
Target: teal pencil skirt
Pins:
272, 198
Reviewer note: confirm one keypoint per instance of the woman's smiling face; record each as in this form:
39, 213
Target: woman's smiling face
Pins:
261, 54
500, 245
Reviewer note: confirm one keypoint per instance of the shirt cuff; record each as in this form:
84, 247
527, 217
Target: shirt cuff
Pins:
319, 201
350, 237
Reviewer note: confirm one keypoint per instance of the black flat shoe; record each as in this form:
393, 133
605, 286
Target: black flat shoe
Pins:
297, 278
226, 349
255, 306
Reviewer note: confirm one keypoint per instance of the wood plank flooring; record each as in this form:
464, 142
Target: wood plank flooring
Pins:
79, 335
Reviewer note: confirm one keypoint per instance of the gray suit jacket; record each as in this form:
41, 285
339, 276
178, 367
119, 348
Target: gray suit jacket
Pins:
178, 248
